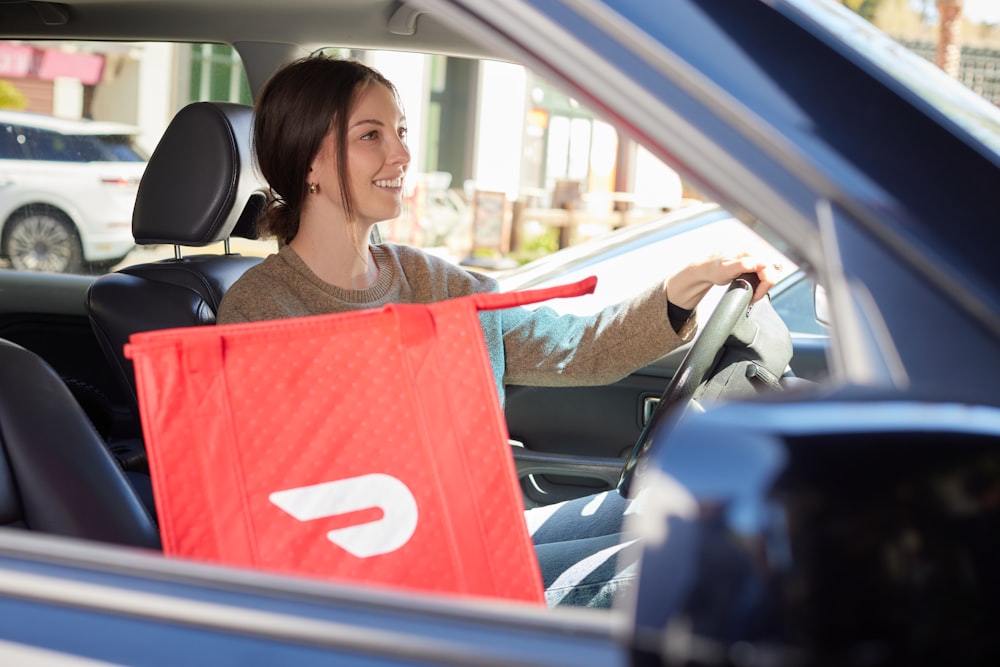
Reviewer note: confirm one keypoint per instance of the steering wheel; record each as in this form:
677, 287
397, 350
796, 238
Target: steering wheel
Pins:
695, 369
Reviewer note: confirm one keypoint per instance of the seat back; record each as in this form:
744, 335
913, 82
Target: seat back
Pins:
56, 474
199, 188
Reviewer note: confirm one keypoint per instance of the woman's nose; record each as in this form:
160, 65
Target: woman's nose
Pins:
400, 153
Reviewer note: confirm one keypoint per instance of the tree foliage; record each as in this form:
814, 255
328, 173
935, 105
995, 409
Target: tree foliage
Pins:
866, 8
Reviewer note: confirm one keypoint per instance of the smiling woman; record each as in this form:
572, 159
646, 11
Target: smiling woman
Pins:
342, 123
329, 158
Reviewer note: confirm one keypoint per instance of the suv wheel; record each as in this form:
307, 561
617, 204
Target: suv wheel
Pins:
43, 241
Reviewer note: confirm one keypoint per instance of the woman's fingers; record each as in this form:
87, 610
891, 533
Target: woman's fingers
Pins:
688, 286
732, 267
767, 273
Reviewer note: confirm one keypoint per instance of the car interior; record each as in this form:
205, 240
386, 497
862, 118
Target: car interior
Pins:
222, 199
57, 474
219, 202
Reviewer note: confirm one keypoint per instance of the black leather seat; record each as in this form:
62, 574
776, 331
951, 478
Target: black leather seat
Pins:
56, 474
199, 188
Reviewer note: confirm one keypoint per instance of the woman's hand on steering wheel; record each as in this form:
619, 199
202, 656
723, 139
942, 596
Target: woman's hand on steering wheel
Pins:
687, 287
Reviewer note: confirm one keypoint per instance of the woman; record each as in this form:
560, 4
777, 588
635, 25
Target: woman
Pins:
329, 137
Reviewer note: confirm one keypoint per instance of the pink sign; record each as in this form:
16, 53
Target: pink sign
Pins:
87, 67
16, 61
25, 61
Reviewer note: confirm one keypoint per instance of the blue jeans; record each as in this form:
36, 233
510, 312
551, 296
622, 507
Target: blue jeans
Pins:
585, 557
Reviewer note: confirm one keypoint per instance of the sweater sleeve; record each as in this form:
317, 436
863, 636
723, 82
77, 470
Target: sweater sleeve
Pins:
543, 348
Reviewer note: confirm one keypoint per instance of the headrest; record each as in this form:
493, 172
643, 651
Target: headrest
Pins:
199, 186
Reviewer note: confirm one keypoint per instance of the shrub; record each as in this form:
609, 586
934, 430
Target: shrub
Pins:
11, 97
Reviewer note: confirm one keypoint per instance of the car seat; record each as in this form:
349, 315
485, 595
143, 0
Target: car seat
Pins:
199, 188
56, 474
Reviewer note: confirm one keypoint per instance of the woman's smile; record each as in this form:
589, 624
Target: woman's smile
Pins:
390, 183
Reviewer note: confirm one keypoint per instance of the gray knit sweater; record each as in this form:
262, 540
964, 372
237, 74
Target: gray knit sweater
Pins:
526, 347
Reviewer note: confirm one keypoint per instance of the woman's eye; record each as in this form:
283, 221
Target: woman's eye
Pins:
370, 135
402, 133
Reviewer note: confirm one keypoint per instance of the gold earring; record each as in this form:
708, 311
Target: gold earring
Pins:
313, 188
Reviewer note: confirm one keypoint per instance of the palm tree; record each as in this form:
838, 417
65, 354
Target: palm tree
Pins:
948, 55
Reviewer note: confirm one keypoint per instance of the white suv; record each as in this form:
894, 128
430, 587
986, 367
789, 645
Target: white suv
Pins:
67, 189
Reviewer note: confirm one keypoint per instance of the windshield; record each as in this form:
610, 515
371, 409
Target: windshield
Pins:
963, 106
116, 148
30, 143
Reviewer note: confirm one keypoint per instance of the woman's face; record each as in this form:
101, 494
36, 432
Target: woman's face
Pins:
377, 158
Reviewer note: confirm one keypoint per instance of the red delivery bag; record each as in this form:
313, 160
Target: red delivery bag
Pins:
367, 446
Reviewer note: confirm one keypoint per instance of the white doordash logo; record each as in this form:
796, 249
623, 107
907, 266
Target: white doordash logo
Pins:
385, 535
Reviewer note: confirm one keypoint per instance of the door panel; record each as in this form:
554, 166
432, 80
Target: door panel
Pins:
577, 423
45, 313
570, 440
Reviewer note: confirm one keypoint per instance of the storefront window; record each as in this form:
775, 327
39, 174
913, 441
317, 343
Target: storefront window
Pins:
217, 74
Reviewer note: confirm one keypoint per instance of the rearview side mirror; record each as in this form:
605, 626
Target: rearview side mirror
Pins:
821, 305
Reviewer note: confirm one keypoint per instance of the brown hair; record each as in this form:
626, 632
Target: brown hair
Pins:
295, 110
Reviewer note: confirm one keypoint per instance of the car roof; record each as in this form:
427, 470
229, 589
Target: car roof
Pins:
278, 33
367, 24
65, 125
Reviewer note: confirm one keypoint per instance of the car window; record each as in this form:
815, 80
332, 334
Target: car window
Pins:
117, 148
654, 251
796, 304
81, 142
95, 148
37, 144
9, 147
42, 145
547, 174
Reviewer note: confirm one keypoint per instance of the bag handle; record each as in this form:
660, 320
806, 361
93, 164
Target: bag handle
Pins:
498, 300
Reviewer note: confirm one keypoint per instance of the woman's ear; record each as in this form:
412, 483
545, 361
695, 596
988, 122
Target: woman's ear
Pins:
323, 163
